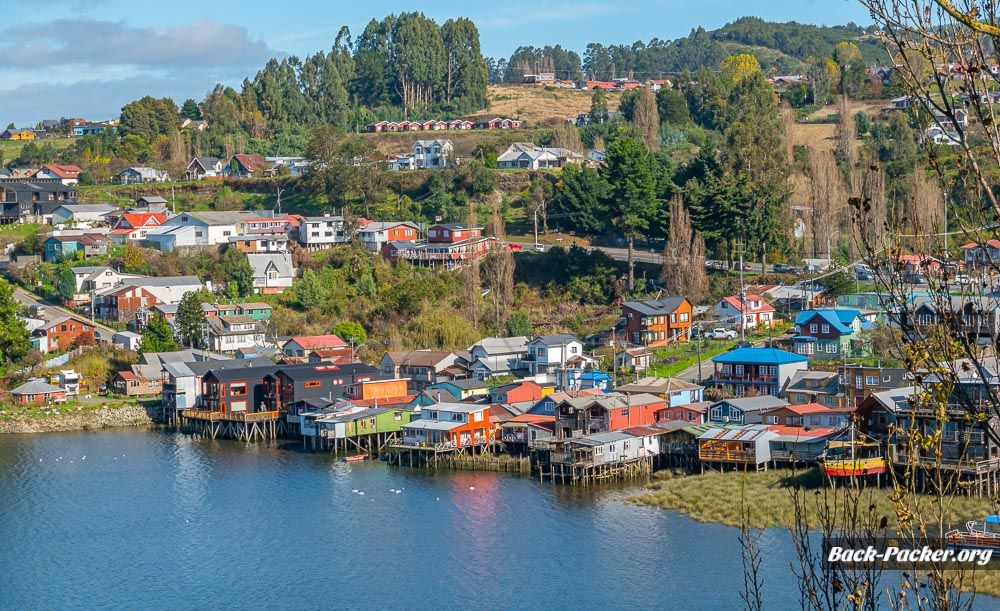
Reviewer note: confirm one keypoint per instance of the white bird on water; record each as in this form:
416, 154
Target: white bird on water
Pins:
361, 493
472, 487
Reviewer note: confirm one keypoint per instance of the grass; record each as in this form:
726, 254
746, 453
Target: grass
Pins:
11, 149
540, 107
11, 234
715, 497
17, 411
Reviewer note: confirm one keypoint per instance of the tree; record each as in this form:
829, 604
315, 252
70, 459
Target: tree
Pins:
236, 268
735, 68
684, 258
598, 106
630, 174
190, 110
15, 341
350, 331
190, 319
580, 197
65, 282
148, 118
838, 281
133, 259
310, 291
519, 324
646, 119
157, 336
498, 272
852, 68
672, 107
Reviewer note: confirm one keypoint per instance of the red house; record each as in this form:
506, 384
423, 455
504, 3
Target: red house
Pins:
611, 412
132, 227
516, 392
59, 333
689, 412
38, 391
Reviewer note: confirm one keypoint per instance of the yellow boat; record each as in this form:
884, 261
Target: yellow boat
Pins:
856, 455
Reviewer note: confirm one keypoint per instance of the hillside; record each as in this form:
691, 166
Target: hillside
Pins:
542, 106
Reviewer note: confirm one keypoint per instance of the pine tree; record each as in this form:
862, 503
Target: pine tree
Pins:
15, 341
631, 176
190, 319
157, 336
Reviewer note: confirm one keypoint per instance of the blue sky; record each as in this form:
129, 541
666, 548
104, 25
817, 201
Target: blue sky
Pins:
87, 58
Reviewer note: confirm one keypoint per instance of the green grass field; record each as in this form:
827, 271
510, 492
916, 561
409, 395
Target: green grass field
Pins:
11, 149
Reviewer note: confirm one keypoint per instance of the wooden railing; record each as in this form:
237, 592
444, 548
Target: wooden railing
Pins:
727, 456
966, 465
792, 456
205, 414
201, 414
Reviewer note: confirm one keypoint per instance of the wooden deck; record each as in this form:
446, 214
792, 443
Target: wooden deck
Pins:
212, 416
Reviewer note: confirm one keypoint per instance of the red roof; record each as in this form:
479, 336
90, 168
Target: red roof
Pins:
988, 244
734, 301
315, 342
812, 408
804, 433
64, 171
251, 163
142, 219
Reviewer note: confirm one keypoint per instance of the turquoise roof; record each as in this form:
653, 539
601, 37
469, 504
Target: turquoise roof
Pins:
764, 356
839, 319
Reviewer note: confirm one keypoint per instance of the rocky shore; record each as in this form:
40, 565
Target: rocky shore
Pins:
127, 415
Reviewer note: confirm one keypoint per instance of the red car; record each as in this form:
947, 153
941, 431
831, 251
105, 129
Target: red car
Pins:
747, 267
515, 247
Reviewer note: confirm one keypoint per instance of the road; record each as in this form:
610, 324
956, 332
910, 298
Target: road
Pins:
707, 367
101, 332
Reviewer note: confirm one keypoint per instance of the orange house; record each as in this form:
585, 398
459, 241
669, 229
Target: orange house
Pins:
367, 390
656, 322
451, 425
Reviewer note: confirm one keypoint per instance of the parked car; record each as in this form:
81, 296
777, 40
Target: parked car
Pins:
915, 278
963, 279
540, 247
721, 333
798, 271
782, 268
743, 344
515, 247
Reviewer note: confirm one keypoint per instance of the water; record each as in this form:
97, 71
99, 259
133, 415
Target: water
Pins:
150, 520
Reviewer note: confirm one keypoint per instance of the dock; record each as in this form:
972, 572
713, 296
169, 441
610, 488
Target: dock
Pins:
248, 427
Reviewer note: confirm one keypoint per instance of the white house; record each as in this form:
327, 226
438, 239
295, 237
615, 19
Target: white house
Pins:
432, 153
528, 156
142, 175
377, 235
81, 213
203, 167
99, 277
231, 333
323, 231
273, 272
496, 356
168, 239
551, 353
127, 340
167, 289
210, 228
752, 312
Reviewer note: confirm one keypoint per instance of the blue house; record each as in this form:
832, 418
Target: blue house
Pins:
830, 334
749, 372
582, 380
748, 410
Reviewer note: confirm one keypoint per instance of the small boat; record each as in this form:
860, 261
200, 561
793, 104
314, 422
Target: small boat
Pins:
851, 454
977, 535
355, 458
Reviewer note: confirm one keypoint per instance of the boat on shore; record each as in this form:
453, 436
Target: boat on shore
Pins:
355, 458
983, 534
852, 454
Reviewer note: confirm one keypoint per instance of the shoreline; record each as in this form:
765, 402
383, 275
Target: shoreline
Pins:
93, 419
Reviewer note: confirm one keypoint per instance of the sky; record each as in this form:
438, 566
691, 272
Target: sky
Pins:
87, 58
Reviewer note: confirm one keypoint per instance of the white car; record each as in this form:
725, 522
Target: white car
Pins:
721, 333
963, 279
540, 247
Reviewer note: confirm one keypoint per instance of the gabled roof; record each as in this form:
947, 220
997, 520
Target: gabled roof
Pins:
502, 345
467, 384
734, 301
750, 404
656, 385
281, 261
206, 163
35, 386
63, 171
555, 340
419, 358
143, 219
318, 342
812, 408
654, 307
829, 317
251, 163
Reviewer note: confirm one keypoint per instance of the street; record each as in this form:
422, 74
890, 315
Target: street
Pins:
102, 333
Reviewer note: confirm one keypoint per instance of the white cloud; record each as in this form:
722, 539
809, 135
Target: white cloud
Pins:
198, 45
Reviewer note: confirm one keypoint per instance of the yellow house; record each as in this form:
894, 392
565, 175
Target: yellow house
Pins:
17, 134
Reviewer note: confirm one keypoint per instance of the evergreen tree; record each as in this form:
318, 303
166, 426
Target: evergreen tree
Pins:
580, 195
15, 341
65, 282
349, 331
599, 106
190, 319
630, 172
190, 110
310, 291
672, 107
236, 268
157, 336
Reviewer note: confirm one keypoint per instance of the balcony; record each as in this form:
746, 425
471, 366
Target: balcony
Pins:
723, 455
515, 437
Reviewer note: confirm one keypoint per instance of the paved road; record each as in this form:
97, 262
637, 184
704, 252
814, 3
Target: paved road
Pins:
105, 333
707, 367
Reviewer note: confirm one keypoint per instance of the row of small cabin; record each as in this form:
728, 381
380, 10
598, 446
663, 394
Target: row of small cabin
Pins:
439, 125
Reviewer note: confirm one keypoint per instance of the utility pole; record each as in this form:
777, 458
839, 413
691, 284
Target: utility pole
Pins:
945, 195
740, 248
700, 333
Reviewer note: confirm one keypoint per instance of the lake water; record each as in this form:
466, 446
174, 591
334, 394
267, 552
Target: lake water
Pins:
151, 520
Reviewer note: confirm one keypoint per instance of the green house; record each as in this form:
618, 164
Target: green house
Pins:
372, 421
256, 311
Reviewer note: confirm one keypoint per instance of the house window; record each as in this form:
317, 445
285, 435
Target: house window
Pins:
626, 444
772, 370
772, 419
238, 389
826, 328
859, 382
739, 370
871, 380
625, 413
727, 369
812, 328
684, 316
673, 318
477, 417
313, 384
831, 348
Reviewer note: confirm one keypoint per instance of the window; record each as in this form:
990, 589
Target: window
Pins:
684, 317
624, 413
812, 328
626, 444
477, 417
826, 328
727, 369
859, 382
772, 419
238, 389
673, 318
599, 451
831, 348
739, 370
313, 384
871, 380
